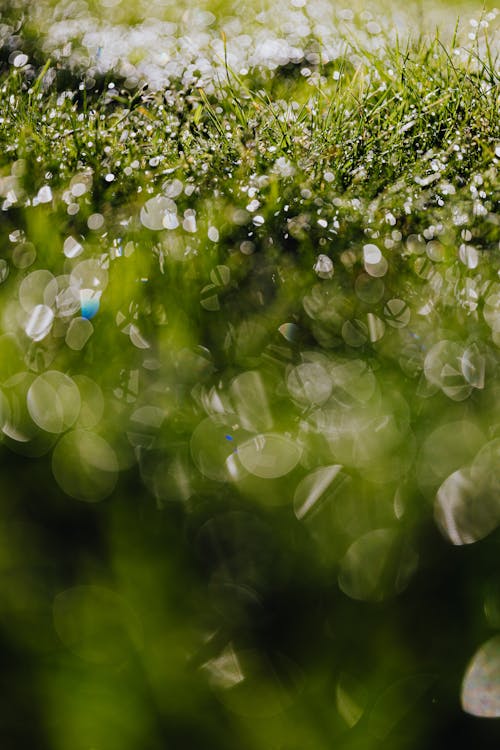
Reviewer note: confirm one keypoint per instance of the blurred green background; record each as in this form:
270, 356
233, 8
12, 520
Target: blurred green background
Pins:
250, 421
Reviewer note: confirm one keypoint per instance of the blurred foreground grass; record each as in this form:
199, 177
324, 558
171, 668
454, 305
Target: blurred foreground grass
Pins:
250, 318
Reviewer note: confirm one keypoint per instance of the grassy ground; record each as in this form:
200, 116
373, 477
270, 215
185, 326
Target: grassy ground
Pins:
249, 375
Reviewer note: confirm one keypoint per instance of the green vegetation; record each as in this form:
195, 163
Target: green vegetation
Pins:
249, 380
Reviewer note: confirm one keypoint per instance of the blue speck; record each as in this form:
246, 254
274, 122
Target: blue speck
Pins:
229, 437
90, 308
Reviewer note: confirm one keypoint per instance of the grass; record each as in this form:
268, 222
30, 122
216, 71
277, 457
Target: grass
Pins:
250, 323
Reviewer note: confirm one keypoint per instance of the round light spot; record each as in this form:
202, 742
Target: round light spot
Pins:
78, 333
39, 322
491, 311
89, 274
24, 255
252, 683
324, 267
95, 221
85, 466
78, 188
170, 220
214, 442
353, 382
309, 383
415, 244
269, 455
377, 566
466, 509
67, 299
220, 276
369, 289
44, 195
474, 366
38, 288
435, 251
250, 400
312, 490
173, 188
376, 327
481, 683
371, 254
469, 256
156, 210
22, 434
397, 313
92, 402
448, 447
354, 332
53, 401
20, 60
443, 368
377, 270
72, 248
